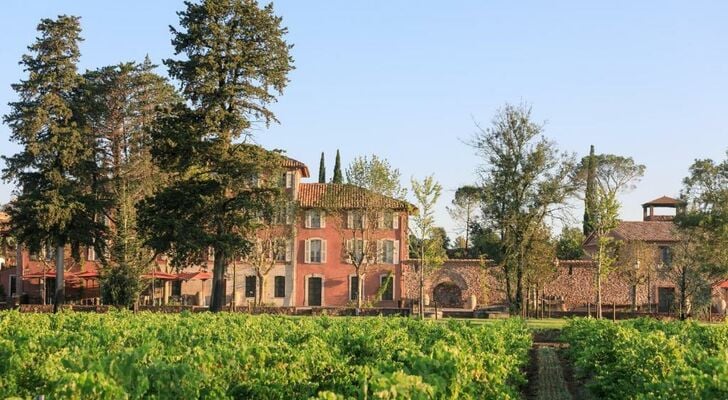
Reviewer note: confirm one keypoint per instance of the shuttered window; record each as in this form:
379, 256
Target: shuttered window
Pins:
353, 288
315, 251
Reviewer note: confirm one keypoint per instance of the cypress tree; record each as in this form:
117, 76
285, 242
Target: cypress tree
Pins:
55, 171
338, 176
322, 169
590, 195
235, 62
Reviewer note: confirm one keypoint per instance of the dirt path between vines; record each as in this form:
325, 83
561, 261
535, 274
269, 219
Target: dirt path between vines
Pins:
549, 373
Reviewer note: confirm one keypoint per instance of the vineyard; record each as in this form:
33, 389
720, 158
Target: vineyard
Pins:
185, 356
645, 358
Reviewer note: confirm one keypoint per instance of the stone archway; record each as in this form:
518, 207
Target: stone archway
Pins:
447, 295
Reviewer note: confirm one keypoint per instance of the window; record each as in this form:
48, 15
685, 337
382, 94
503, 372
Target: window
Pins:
315, 251
353, 287
289, 180
282, 216
666, 255
210, 254
91, 254
386, 287
387, 251
177, 288
281, 250
13, 285
279, 283
355, 249
386, 220
250, 282
355, 219
315, 219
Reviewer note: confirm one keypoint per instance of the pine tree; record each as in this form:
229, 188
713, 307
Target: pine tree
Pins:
120, 103
322, 169
55, 170
338, 176
590, 195
235, 63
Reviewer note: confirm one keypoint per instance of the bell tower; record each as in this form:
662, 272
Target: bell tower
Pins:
664, 202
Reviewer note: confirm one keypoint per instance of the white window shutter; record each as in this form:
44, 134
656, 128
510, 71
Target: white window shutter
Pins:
289, 250
307, 252
289, 179
395, 220
322, 215
380, 221
307, 223
395, 252
365, 250
364, 220
350, 219
323, 251
349, 250
288, 215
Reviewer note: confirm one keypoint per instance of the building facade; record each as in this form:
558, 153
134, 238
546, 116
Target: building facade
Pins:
311, 268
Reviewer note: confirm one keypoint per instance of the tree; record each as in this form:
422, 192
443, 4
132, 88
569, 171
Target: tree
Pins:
427, 241
540, 265
55, 170
701, 256
338, 176
272, 239
569, 245
637, 262
120, 102
464, 210
376, 186
524, 179
589, 199
377, 175
236, 63
322, 169
611, 175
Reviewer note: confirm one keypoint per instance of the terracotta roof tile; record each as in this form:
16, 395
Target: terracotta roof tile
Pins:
663, 201
289, 162
646, 231
344, 196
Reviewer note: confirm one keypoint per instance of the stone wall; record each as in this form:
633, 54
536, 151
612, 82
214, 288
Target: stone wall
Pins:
572, 284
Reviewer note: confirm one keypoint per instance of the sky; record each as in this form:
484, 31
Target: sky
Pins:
409, 80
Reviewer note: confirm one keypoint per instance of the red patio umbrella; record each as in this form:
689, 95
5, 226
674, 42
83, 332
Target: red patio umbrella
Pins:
199, 275
160, 275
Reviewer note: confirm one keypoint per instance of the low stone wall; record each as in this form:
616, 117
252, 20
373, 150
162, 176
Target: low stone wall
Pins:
572, 285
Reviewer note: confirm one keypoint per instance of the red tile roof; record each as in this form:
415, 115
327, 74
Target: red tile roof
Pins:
645, 231
344, 196
289, 162
663, 201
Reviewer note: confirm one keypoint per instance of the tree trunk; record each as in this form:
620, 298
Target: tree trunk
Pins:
683, 297
634, 298
217, 300
421, 311
261, 286
60, 296
599, 289
359, 293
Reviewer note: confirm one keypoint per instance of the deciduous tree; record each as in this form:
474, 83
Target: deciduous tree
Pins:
525, 179
427, 241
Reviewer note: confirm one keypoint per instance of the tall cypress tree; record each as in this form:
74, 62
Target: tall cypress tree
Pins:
322, 169
235, 62
590, 195
55, 171
338, 176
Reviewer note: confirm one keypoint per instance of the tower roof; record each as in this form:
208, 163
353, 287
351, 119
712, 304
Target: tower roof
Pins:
663, 201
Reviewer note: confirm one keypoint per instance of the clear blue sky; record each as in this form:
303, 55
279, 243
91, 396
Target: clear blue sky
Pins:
406, 79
